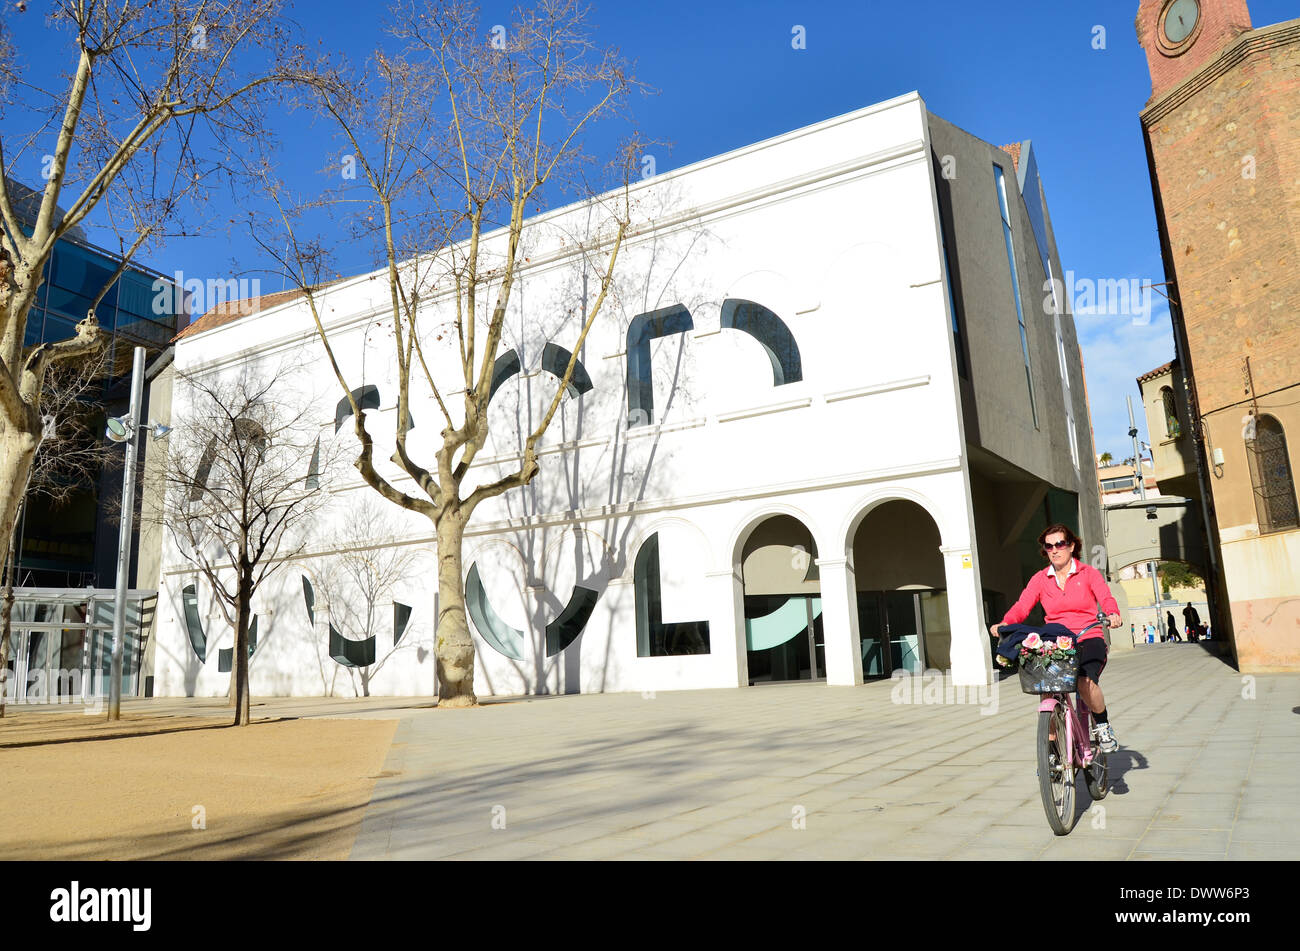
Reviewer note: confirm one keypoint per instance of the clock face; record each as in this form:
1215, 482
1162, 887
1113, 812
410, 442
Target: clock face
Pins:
1180, 20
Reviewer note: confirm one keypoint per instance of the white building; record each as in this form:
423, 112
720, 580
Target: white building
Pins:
822, 422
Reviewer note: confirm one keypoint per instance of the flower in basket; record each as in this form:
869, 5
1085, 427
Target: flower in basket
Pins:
1064, 643
1048, 646
1033, 642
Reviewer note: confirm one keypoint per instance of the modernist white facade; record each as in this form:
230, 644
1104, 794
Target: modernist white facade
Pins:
773, 416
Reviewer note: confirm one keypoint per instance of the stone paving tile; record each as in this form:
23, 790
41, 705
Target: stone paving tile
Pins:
1073, 846
1263, 851
1281, 834
1141, 856
1214, 841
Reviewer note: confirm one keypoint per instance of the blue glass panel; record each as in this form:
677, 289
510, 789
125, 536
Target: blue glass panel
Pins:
351, 653
771, 332
504, 639
654, 638
506, 366
555, 360
401, 618
198, 640
644, 328
367, 397
226, 656
565, 629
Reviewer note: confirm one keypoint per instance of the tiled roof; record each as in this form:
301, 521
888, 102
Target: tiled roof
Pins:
1014, 151
1152, 374
229, 311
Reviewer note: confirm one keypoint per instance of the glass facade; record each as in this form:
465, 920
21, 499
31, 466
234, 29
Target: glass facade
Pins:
61, 644
72, 544
1015, 285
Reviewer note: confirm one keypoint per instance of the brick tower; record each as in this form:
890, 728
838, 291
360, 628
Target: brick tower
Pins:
1222, 129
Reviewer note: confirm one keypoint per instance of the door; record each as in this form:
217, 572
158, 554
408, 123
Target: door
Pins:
889, 630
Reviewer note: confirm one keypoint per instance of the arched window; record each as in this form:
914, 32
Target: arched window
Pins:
1172, 429
367, 397
193, 624
1270, 476
654, 636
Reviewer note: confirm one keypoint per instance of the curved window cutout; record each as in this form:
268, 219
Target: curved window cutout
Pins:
507, 365
309, 596
646, 327
1271, 478
654, 638
504, 639
555, 360
367, 397
313, 470
198, 640
227, 654
205, 470
772, 630
564, 630
351, 653
771, 332
245, 431
401, 617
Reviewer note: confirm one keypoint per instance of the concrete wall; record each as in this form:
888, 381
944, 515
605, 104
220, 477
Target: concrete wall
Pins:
834, 229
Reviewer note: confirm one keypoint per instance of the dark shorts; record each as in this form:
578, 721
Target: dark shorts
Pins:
1092, 658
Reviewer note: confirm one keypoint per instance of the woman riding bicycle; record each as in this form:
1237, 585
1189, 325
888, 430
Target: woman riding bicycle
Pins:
1070, 592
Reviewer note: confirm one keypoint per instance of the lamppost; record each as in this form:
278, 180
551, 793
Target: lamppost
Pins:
125, 429
1142, 493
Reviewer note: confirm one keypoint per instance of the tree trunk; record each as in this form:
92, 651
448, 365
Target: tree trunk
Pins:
17, 450
239, 663
454, 649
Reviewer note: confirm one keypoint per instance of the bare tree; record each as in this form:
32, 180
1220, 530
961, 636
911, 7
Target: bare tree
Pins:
157, 93
456, 140
359, 583
239, 481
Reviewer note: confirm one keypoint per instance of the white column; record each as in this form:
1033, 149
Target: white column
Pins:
971, 656
727, 626
840, 622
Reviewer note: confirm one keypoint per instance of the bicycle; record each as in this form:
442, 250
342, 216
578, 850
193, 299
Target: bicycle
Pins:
1074, 749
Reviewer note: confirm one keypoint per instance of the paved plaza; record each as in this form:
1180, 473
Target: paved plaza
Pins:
1206, 770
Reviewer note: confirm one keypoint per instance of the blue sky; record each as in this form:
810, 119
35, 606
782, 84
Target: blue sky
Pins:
727, 76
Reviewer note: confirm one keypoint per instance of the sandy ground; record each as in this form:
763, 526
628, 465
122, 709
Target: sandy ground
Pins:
184, 787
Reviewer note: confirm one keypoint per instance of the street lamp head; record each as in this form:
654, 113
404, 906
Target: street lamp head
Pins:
119, 428
158, 430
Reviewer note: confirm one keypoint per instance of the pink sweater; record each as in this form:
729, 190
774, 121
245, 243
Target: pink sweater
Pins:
1075, 607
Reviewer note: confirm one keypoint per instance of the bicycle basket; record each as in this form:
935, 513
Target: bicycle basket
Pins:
1040, 675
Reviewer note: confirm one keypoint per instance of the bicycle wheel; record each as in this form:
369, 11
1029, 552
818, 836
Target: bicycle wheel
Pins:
1055, 780
1097, 774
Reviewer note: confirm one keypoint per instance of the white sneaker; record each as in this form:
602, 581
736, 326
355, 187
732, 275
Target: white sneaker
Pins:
1106, 738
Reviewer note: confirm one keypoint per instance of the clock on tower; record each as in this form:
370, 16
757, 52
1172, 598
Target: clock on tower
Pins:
1181, 36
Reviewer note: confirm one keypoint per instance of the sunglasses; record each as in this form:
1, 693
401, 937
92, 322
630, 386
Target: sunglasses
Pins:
1056, 546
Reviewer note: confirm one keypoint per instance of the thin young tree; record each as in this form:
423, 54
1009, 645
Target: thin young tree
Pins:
456, 140
239, 483
360, 582
135, 132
